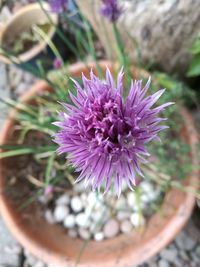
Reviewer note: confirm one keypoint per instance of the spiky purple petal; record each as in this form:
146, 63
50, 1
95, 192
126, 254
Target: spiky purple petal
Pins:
103, 135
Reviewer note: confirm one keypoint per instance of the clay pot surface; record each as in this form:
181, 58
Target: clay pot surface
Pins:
51, 243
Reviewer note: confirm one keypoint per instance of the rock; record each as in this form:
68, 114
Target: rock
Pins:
82, 220
111, 228
121, 203
39, 264
197, 251
60, 213
21, 88
8, 244
184, 242
137, 219
13, 249
126, 226
28, 77
99, 236
30, 260
169, 254
84, 234
163, 263
131, 199
161, 29
76, 204
72, 233
69, 221
123, 214
49, 217
63, 200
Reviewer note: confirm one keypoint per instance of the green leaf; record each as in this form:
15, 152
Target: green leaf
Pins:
194, 68
24, 151
196, 47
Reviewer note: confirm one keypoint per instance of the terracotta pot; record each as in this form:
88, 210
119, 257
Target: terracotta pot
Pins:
50, 242
22, 21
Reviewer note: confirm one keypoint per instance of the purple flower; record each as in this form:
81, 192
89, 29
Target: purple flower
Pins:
58, 6
57, 63
111, 10
104, 135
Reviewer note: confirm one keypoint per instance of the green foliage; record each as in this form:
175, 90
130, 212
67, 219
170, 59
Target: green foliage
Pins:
194, 68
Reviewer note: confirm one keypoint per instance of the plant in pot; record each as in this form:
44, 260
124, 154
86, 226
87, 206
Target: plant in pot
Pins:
98, 201
38, 35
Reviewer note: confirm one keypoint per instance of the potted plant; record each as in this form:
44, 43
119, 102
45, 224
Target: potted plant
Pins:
24, 43
104, 132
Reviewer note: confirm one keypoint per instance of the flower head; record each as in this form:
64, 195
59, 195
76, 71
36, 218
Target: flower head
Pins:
111, 10
58, 6
104, 135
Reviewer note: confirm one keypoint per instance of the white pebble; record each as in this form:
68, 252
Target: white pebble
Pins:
82, 220
123, 214
121, 203
99, 236
131, 199
39, 264
84, 234
137, 219
76, 204
49, 217
111, 228
72, 233
63, 200
126, 226
79, 187
69, 221
60, 213
146, 187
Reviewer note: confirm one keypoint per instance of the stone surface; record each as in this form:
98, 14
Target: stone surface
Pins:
162, 30
111, 228
10, 251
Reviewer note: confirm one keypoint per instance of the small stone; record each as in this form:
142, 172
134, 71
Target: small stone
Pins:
27, 77
184, 255
169, 254
99, 236
49, 217
31, 260
122, 215
60, 213
126, 226
121, 203
39, 264
82, 220
84, 234
76, 204
137, 219
111, 228
184, 242
72, 233
63, 200
69, 221
163, 263
13, 249
131, 199
79, 188
21, 88
146, 187
197, 250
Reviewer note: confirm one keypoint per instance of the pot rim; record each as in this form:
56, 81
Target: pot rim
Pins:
41, 45
170, 228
